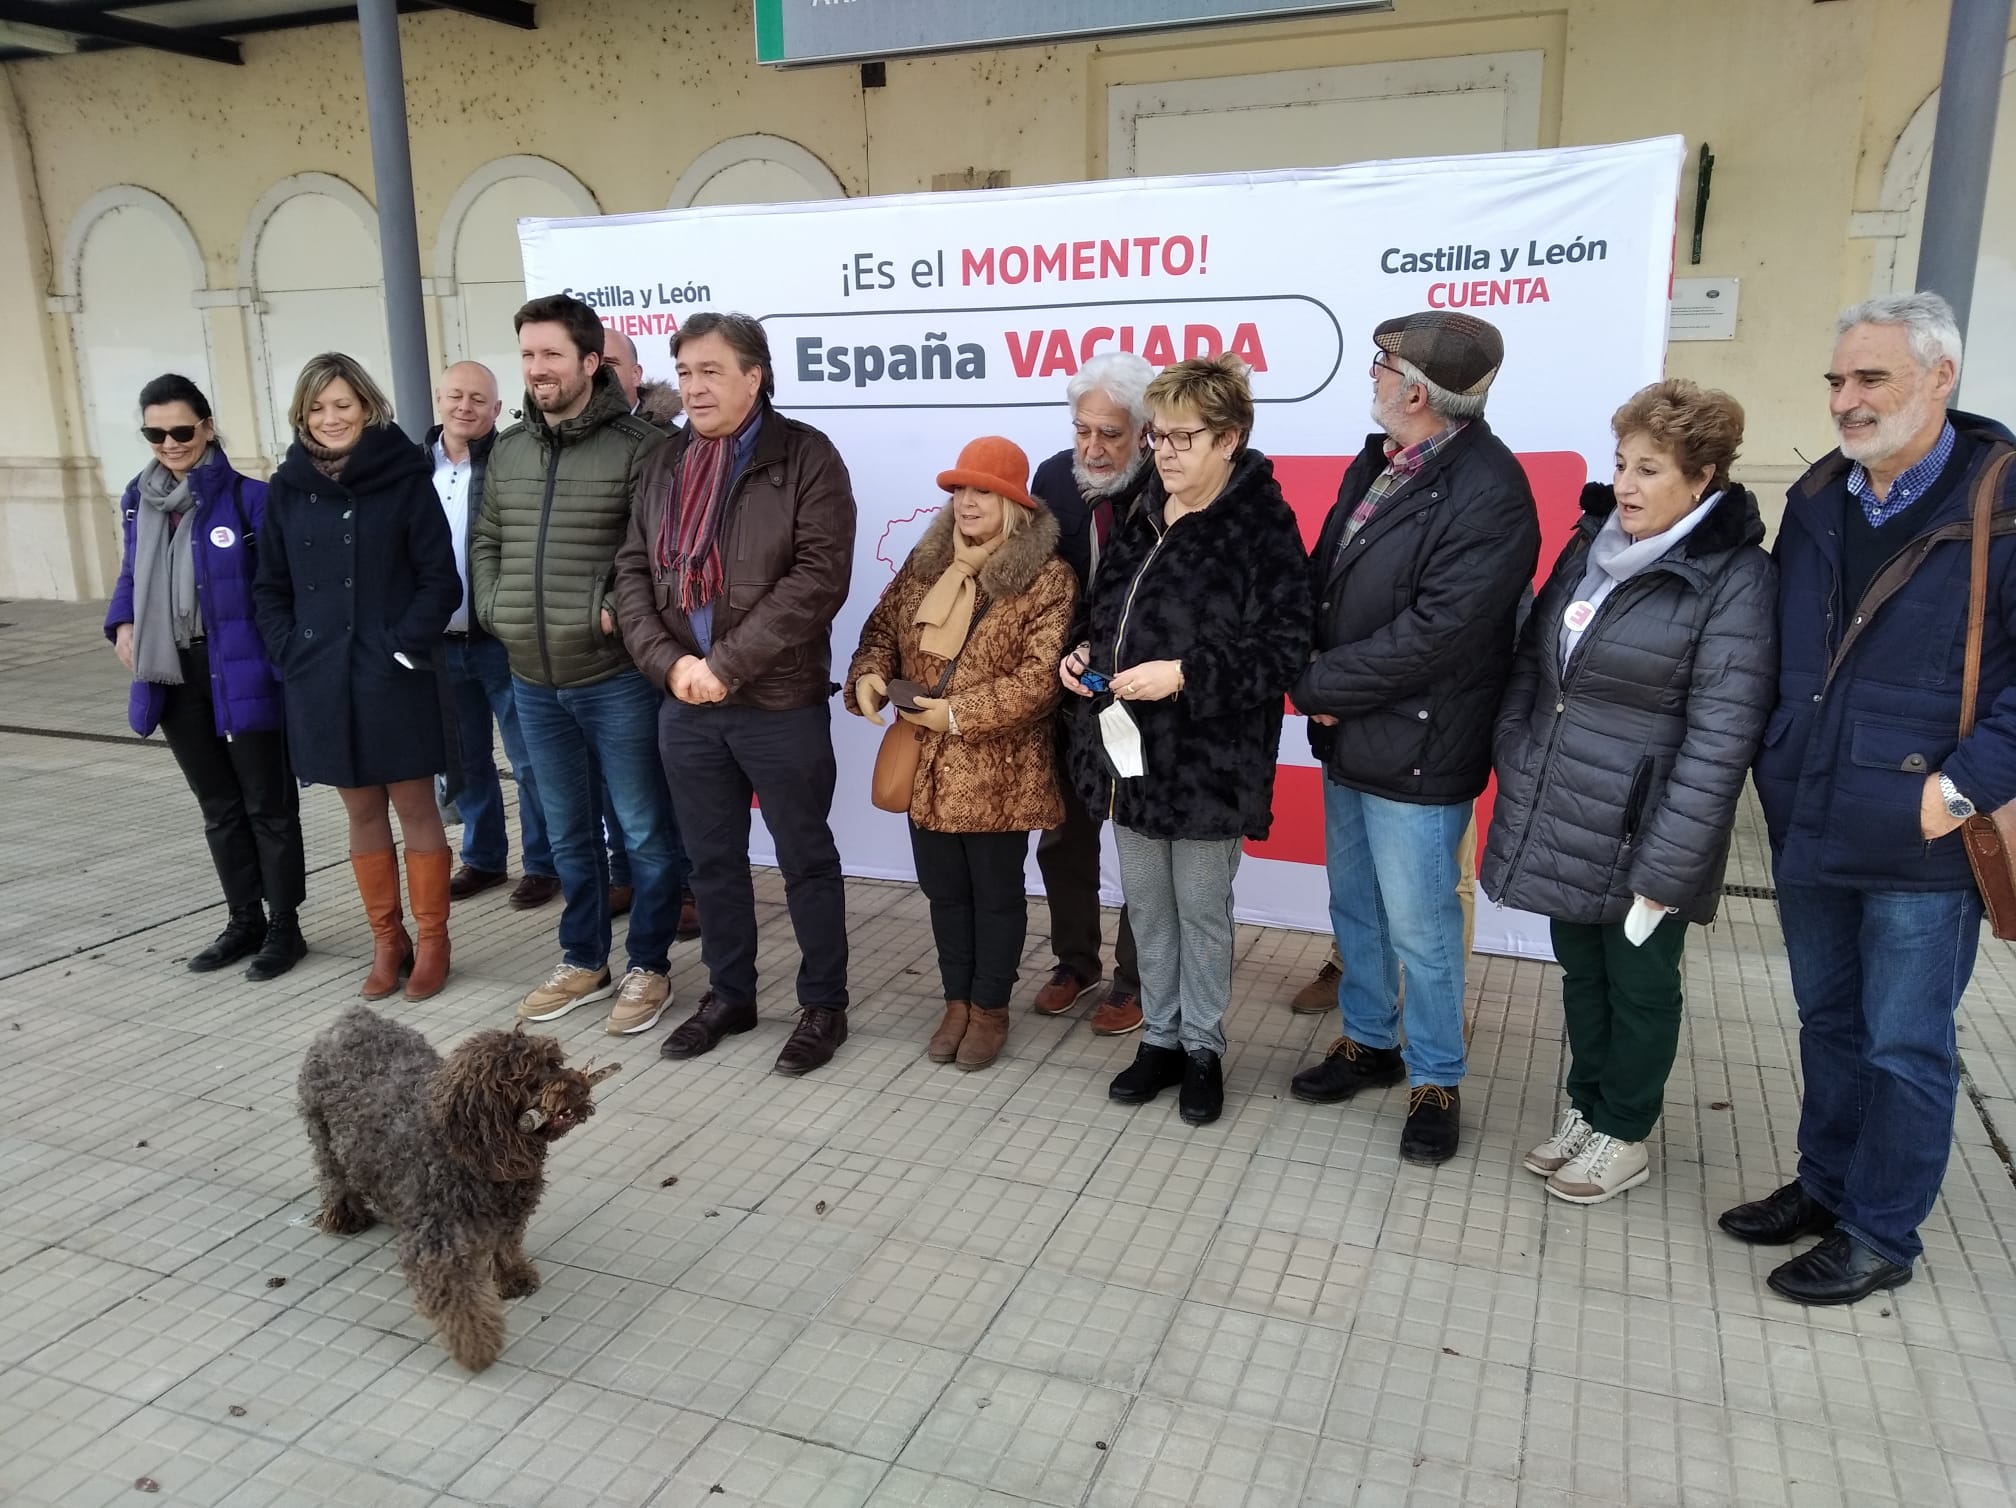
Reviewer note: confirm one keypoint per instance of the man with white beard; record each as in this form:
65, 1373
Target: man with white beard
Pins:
1865, 782
1091, 488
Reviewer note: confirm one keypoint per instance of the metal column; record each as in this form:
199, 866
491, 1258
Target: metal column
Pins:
398, 237
1970, 89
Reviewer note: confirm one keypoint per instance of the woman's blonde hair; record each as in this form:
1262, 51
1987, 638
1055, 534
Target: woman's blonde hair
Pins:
1214, 387
1013, 516
325, 369
1700, 427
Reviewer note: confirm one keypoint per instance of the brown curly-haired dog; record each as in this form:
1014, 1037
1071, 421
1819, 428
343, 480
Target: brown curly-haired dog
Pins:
451, 1152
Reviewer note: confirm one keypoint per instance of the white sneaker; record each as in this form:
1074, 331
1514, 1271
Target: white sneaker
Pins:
1603, 1169
641, 999
565, 988
1559, 1150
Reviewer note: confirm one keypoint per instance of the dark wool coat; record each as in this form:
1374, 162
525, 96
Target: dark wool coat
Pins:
1416, 620
1620, 775
542, 558
352, 572
1226, 591
1869, 692
244, 684
997, 774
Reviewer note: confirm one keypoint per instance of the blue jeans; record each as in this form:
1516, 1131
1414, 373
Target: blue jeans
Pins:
612, 829
615, 721
1393, 874
479, 679
1878, 976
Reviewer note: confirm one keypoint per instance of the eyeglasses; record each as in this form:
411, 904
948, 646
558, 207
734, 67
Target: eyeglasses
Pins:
181, 434
1178, 439
1380, 363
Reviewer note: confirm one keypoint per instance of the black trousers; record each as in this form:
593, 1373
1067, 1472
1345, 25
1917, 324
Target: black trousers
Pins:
1068, 855
716, 757
245, 787
979, 911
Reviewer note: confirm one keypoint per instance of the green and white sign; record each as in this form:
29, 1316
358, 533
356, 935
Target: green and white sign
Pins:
834, 31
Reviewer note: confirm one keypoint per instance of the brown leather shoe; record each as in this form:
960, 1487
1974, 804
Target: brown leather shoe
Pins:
1062, 992
1118, 1014
620, 898
468, 881
986, 1035
811, 1046
703, 1030
1319, 994
391, 949
427, 890
944, 1045
689, 919
533, 891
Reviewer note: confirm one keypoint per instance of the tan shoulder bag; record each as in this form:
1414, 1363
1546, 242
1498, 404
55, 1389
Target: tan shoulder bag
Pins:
902, 748
1990, 838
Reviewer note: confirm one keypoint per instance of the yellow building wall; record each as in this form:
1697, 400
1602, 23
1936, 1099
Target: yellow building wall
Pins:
1801, 102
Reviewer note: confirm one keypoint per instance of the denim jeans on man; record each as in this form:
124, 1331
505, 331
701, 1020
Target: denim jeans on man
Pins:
1878, 976
479, 678
1393, 872
617, 720
717, 757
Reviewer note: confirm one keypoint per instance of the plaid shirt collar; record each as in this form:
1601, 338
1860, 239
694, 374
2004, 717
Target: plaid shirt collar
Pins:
1404, 462
1908, 488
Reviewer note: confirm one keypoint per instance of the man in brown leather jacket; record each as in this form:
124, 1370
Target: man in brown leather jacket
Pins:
739, 553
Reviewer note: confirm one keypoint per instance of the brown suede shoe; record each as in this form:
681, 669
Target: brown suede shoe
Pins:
534, 890
689, 919
1319, 994
1062, 992
811, 1046
945, 1041
986, 1035
468, 881
620, 898
1118, 1014
703, 1030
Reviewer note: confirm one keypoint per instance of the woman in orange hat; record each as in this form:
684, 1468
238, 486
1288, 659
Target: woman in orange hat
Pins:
975, 621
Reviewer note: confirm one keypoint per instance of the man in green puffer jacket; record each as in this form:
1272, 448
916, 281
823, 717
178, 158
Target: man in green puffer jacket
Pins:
556, 502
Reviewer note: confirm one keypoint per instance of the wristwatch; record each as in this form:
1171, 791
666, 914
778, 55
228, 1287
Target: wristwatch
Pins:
1958, 806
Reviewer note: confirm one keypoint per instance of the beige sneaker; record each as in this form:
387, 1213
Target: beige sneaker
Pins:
565, 988
641, 999
1603, 1169
1555, 1153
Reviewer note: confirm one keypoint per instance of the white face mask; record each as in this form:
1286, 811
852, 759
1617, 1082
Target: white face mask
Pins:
1123, 742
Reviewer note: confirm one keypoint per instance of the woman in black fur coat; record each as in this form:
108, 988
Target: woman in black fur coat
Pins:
1198, 624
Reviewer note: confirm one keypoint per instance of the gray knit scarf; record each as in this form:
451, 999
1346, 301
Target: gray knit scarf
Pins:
166, 618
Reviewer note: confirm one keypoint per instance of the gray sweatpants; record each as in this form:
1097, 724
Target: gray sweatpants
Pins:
1179, 898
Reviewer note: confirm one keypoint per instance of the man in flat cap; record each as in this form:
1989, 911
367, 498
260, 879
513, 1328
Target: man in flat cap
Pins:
1417, 578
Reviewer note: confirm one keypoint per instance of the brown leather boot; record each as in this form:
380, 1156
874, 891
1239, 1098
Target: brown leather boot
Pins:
986, 1035
391, 949
945, 1041
427, 890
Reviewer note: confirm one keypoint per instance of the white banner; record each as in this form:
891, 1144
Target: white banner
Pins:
906, 326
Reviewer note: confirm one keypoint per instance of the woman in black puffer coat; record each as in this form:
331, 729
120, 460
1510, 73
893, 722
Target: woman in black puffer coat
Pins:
1644, 675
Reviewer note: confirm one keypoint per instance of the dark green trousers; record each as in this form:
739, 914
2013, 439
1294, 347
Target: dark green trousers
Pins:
1623, 1010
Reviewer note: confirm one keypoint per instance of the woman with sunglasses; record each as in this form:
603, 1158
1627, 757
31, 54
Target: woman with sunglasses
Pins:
357, 582
182, 621
1195, 628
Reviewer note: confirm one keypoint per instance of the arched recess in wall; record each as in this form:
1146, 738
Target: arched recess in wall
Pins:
1896, 226
754, 169
477, 268
132, 266
309, 258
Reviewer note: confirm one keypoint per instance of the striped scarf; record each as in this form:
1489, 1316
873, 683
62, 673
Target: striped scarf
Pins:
689, 534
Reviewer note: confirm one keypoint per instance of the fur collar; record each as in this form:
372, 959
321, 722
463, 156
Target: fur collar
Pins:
1010, 570
1731, 524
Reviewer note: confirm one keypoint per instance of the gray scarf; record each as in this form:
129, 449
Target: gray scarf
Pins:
1615, 557
165, 615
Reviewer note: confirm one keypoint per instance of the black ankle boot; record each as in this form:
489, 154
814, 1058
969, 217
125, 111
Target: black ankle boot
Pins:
1203, 1098
240, 938
1153, 1070
284, 947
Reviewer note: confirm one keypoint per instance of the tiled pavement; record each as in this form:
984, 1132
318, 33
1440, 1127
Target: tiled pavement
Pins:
895, 1283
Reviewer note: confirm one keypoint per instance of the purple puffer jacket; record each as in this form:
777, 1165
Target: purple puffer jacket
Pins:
244, 685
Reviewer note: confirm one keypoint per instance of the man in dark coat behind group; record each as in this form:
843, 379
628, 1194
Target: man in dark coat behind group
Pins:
1417, 577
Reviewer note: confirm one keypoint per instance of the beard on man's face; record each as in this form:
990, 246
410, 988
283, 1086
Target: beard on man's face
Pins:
1111, 483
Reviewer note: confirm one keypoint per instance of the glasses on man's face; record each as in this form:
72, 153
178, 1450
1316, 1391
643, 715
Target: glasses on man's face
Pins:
181, 434
1176, 439
1381, 364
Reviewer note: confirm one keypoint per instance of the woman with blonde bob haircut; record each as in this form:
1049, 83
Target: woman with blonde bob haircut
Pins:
356, 584
1638, 697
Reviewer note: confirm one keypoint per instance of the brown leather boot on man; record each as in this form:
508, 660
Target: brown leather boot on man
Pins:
1319, 994
986, 1035
427, 883
944, 1045
391, 949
